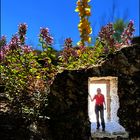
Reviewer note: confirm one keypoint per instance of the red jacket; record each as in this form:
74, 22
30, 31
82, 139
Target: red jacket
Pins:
99, 99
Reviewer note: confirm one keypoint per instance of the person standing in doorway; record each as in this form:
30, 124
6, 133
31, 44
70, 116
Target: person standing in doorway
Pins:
100, 106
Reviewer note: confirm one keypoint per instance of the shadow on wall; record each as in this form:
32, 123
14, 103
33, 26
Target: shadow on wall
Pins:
68, 99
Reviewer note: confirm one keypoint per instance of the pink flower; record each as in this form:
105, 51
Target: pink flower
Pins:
6, 48
14, 43
1, 55
22, 29
68, 42
106, 34
3, 41
127, 33
45, 35
26, 49
44, 32
4, 51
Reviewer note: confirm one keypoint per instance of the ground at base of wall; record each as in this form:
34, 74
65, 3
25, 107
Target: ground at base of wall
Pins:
112, 130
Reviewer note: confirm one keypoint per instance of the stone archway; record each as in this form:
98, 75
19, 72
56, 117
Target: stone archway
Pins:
68, 97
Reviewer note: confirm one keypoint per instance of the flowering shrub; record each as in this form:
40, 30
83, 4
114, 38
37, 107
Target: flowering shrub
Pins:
48, 55
2, 41
76, 57
69, 54
27, 75
22, 29
45, 38
128, 33
26, 80
4, 50
107, 37
68, 43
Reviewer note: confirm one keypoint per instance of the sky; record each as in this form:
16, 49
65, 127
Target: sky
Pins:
61, 19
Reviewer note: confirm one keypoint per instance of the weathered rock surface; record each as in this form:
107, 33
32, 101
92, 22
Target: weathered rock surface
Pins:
68, 99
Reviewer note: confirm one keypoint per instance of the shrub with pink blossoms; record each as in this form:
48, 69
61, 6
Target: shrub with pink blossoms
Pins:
4, 51
106, 37
2, 41
45, 38
22, 29
107, 33
128, 33
26, 49
24, 78
27, 75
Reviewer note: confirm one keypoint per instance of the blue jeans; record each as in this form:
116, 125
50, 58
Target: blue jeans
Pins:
100, 108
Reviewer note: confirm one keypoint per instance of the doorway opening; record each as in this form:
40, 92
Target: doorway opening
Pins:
109, 88
92, 91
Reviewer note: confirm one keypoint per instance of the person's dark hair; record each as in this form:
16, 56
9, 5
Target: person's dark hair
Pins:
98, 89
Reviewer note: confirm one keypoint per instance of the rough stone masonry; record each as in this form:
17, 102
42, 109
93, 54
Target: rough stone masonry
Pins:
68, 98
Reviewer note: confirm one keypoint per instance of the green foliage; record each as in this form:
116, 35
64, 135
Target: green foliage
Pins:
26, 80
28, 74
115, 36
119, 25
20, 74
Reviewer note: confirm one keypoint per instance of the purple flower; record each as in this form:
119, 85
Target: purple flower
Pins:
14, 43
5, 49
127, 33
3, 52
45, 35
68, 42
22, 28
49, 40
131, 22
1, 55
2, 41
44, 32
26, 49
106, 34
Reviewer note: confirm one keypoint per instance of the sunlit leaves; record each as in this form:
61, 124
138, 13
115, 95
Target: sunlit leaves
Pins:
23, 76
28, 74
